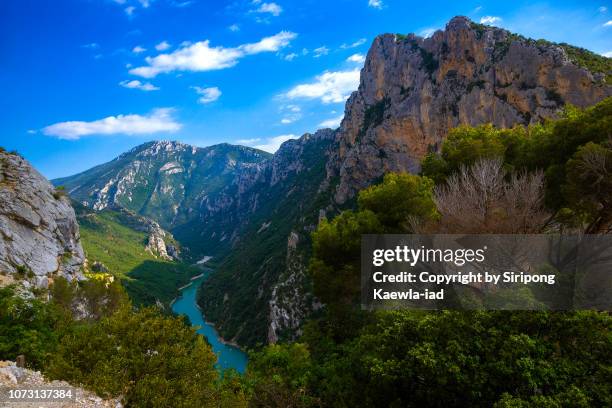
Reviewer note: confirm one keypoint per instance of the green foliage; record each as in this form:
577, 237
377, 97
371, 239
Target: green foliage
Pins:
398, 198
454, 359
27, 326
385, 208
150, 359
279, 377
110, 237
589, 60
551, 146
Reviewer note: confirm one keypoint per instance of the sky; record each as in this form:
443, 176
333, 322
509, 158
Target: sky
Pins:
84, 80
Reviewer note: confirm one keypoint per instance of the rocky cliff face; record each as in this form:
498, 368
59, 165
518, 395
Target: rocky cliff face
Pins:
414, 90
39, 234
259, 292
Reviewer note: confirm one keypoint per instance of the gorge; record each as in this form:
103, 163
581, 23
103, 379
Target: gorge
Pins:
254, 212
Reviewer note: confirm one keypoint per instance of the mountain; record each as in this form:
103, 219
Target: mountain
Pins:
170, 182
253, 213
412, 91
39, 234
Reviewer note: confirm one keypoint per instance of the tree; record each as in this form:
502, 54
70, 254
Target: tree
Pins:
484, 199
589, 186
150, 359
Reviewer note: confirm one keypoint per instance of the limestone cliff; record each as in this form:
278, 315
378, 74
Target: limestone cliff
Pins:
413, 90
39, 234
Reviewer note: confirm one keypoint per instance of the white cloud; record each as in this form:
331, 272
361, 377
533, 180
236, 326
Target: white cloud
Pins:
357, 43
207, 95
607, 54
358, 58
159, 120
377, 4
291, 114
318, 52
290, 57
200, 56
490, 20
138, 49
31, 132
130, 10
331, 123
603, 9
427, 32
162, 46
136, 84
234, 28
608, 23
248, 141
329, 87
91, 46
145, 3
272, 144
119, 1
271, 8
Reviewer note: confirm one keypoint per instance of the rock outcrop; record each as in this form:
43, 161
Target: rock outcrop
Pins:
12, 376
413, 90
39, 234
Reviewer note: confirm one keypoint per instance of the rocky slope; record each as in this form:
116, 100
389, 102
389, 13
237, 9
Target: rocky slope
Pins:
39, 234
170, 182
413, 90
15, 377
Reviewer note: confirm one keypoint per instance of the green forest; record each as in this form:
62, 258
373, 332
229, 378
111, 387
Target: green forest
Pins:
554, 177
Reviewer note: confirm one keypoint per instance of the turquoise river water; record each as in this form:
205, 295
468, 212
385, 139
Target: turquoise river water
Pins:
228, 356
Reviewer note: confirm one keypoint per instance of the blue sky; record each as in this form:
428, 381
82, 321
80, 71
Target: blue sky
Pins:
85, 80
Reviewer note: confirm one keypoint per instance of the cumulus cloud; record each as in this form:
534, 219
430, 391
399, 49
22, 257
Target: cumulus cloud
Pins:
358, 58
329, 87
200, 56
130, 10
603, 9
608, 23
290, 57
607, 54
136, 84
234, 28
272, 144
138, 49
490, 20
270, 8
291, 113
207, 95
162, 46
357, 43
319, 52
159, 120
331, 123
377, 4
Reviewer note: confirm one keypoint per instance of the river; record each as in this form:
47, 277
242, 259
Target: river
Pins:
228, 356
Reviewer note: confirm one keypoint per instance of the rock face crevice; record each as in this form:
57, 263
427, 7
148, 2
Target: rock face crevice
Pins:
413, 90
39, 234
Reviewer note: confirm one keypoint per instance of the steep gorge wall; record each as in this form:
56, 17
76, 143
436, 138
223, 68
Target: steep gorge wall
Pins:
39, 234
414, 90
